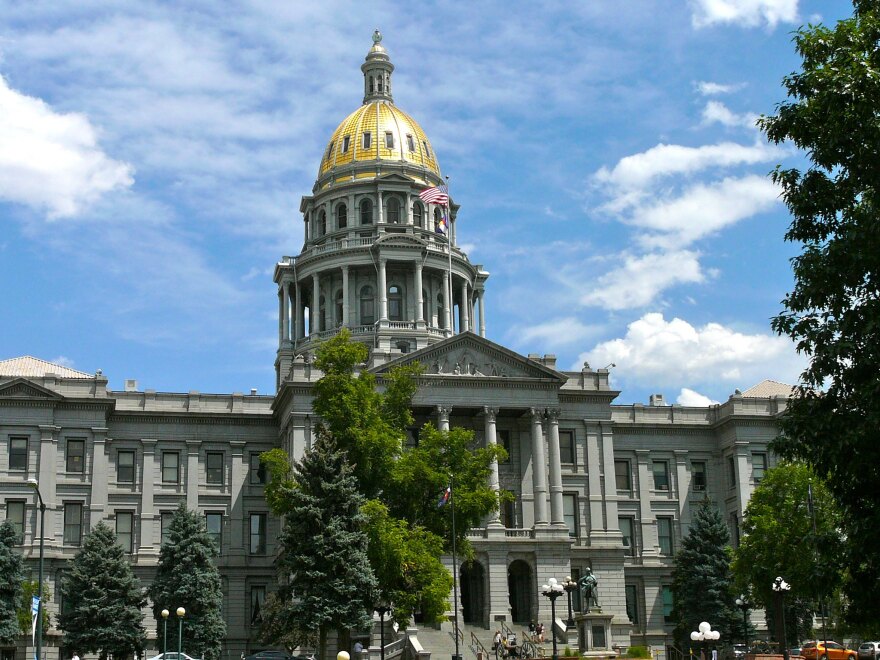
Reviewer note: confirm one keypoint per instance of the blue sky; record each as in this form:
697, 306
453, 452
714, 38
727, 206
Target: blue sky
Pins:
152, 158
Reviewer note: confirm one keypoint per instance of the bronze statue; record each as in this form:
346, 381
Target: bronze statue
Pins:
589, 585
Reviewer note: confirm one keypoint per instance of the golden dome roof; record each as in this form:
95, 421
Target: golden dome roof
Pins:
378, 130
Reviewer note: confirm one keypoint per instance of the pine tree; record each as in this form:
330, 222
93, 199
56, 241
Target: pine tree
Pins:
188, 577
11, 576
323, 560
103, 599
702, 581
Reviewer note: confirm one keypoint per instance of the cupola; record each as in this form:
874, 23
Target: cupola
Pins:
377, 72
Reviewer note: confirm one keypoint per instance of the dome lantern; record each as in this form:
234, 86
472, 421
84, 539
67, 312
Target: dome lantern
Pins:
377, 70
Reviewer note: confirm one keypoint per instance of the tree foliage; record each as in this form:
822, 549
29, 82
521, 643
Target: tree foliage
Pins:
187, 577
11, 576
833, 312
29, 589
329, 583
103, 599
702, 582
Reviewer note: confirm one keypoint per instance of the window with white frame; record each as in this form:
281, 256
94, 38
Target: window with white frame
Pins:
698, 476
570, 513
627, 529
664, 534
660, 469
759, 466
18, 454
73, 523
622, 475
566, 446
15, 515
125, 530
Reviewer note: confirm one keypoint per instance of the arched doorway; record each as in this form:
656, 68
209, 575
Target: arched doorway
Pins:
473, 593
519, 590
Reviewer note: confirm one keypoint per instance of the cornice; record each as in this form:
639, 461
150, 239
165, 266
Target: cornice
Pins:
221, 419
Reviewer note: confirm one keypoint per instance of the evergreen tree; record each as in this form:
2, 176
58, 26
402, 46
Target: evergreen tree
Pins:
329, 583
11, 576
103, 599
702, 582
188, 577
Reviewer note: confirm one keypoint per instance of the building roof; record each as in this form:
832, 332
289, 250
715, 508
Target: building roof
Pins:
768, 388
31, 367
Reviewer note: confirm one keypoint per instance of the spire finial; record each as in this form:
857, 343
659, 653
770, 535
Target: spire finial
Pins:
377, 70
377, 36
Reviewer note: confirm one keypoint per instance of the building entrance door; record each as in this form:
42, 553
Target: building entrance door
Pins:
473, 593
519, 590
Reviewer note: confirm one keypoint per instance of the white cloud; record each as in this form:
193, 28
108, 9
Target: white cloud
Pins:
688, 397
676, 353
555, 332
642, 278
746, 13
63, 361
52, 161
708, 88
717, 112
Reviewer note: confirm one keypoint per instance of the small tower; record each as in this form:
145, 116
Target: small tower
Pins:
377, 72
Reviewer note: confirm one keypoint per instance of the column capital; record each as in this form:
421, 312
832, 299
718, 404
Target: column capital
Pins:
490, 413
383, 259
444, 411
344, 268
553, 415
537, 414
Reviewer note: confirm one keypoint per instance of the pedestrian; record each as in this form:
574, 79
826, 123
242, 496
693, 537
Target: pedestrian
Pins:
540, 631
532, 629
496, 640
75, 656
358, 649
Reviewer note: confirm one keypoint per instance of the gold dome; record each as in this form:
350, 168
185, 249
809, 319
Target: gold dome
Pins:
394, 136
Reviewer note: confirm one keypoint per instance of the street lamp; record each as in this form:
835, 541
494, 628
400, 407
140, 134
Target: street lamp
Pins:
705, 634
781, 587
39, 650
743, 604
552, 590
382, 610
165, 615
180, 614
570, 586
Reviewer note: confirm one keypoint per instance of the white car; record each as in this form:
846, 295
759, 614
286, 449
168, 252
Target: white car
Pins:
172, 655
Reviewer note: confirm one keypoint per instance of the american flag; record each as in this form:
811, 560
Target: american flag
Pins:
435, 195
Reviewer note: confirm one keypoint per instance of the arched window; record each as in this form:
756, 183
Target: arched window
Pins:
426, 307
441, 317
322, 223
379, 80
341, 216
339, 312
325, 315
438, 217
368, 306
366, 211
395, 303
417, 214
393, 206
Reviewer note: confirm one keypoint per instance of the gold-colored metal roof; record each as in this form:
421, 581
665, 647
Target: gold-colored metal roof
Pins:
378, 118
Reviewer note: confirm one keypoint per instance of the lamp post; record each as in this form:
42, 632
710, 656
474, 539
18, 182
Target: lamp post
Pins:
165, 615
552, 590
180, 614
705, 634
570, 587
382, 610
39, 650
781, 587
743, 604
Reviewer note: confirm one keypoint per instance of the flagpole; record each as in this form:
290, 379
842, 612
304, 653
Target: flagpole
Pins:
449, 273
457, 655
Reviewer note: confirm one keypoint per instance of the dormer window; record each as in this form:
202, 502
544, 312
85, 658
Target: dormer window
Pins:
427, 150
410, 143
368, 139
389, 140
329, 151
345, 142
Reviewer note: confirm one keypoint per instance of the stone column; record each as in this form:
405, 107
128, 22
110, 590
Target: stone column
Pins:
315, 308
556, 515
539, 474
99, 476
149, 536
47, 471
192, 474
647, 527
280, 317
447, 297
465, 324
381, 211
285, 311
299, 322
383, 291
482, 315
683, 487
240, 467
594, 469
345, 296
443, 418
606, 436
418, 291
489, 415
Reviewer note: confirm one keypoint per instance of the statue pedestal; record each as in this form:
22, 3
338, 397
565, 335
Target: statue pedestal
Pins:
594, 633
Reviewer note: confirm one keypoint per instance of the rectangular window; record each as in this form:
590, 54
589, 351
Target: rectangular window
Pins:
664, 535
214, 525
346, 141
257, 470
508, 511
18, 458
666, 596
389, 140
627, 525
170, 467
72, 523
329, 150
258, 533
698, 474
76, 451
427, 150
125, 530
759, 466
503, 439
368, 139
165, 525
632, 603
566, 446
125, 467
214, 467
570, 513
622, 475
15, 515
731, 472
410, 143
661, 475
258, 597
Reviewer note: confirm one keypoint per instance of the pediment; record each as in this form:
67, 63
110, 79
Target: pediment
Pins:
395, 177
21, 388
400, 240
468, 355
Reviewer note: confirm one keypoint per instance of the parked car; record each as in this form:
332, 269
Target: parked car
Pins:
869, 650
172, 656
816, 651
269, 655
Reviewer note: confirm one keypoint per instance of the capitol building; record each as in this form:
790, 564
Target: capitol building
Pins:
595, 484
